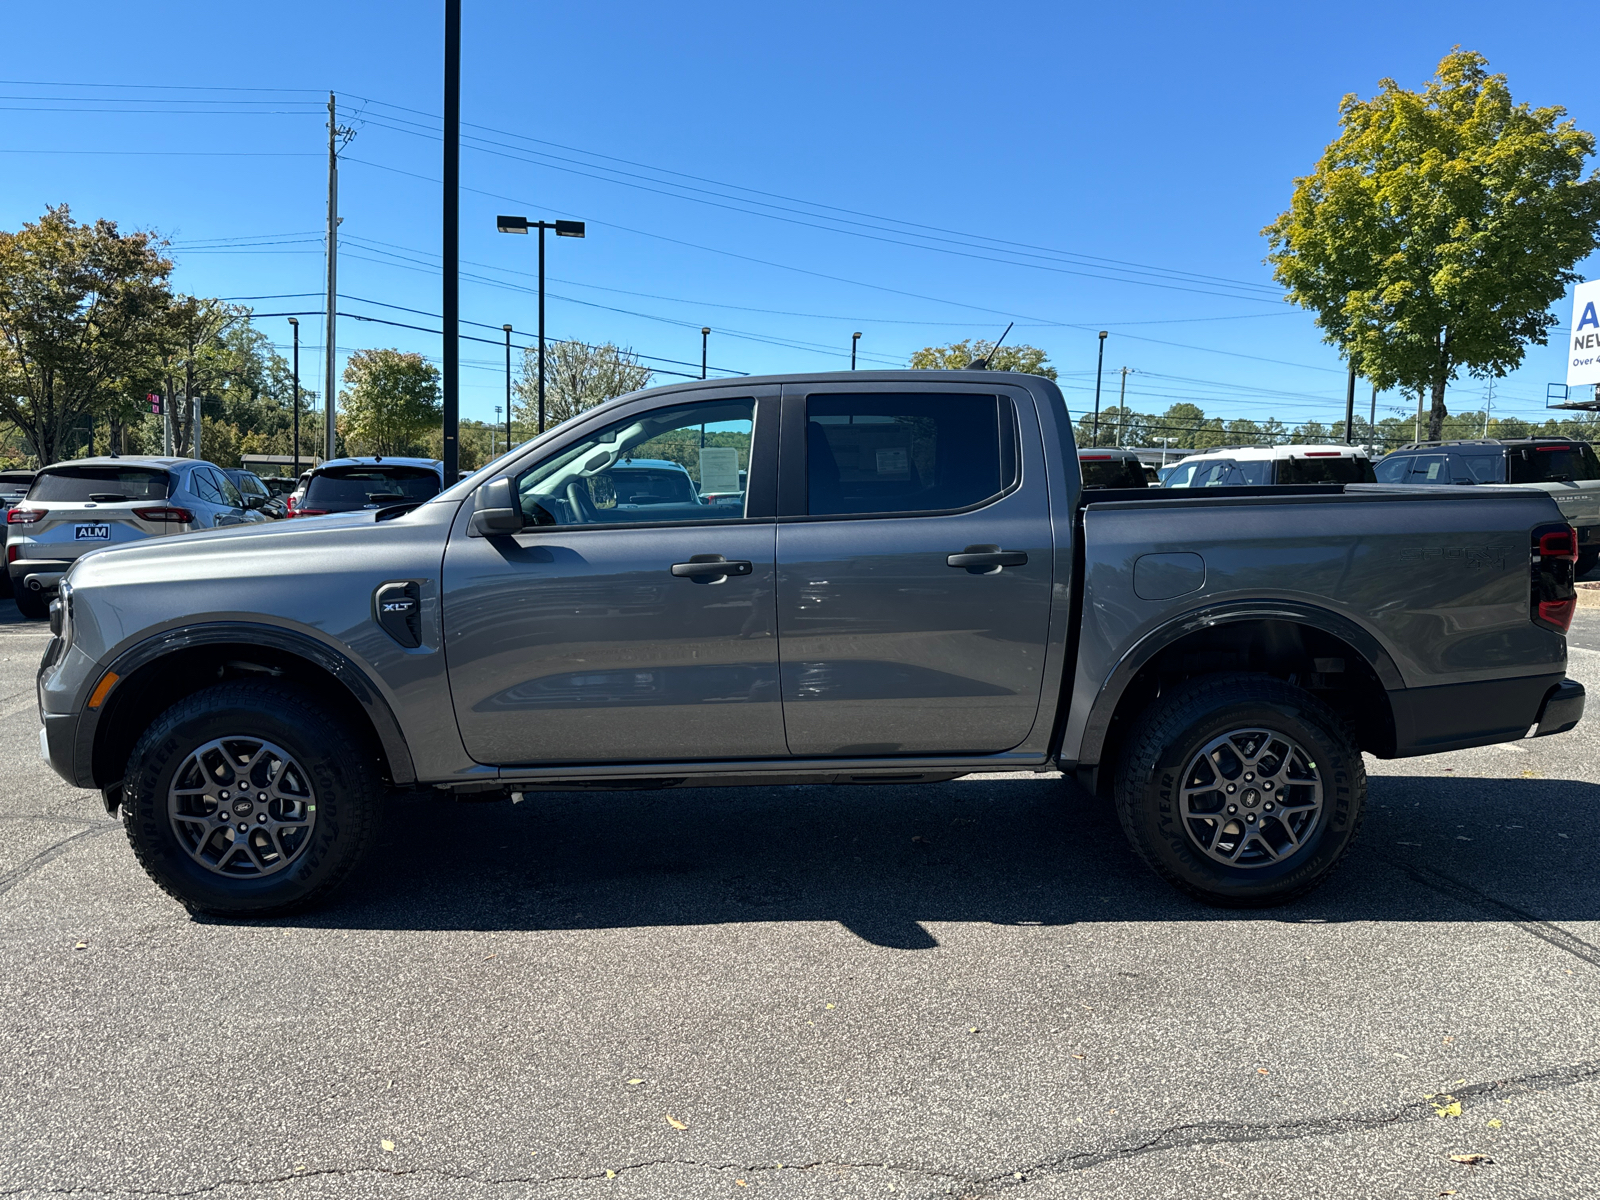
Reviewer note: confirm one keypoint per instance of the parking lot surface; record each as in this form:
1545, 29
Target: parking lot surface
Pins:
970, 989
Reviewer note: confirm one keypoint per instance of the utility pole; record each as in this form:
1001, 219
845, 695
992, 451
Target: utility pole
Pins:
1372, 419
294, 325
452, 243
330, 387
1094, 437
1350, 402
1122, 405
705, 333
195, 422
854, 338
166, 415
1488, 404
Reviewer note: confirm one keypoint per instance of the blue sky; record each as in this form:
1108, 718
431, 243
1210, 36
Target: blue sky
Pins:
786, 175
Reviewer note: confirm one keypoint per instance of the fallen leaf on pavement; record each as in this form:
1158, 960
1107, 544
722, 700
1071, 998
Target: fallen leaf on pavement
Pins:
1450, 1108
635, 1082
1262, 1071
486, 957
1495, 1122
610, 1174
1472, 1160
675, 1123
81, 946
740, 1183
388, 1146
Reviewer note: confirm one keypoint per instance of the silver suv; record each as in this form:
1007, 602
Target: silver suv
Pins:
74, 507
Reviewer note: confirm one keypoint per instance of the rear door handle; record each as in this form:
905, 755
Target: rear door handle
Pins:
707, 568
981, 559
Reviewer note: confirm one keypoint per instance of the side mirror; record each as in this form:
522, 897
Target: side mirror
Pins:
251, 500
496, 509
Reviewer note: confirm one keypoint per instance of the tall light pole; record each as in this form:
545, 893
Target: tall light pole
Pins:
1094, 438
854, 338
294, 325
507, 328
705, 334
563, 229
1350, 403
494, 432
452, 240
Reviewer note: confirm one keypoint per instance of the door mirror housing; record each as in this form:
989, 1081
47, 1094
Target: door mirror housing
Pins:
496, 510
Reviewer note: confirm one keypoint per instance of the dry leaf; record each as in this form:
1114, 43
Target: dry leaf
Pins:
740, 1183
388, 1146
81, 946
1495, 1122
675, 1123
610, 1174
1451, 1107
635, 1082
825, 1005
974, 1029
486, 957
1472, 1160
1074, 1056
1262, 1071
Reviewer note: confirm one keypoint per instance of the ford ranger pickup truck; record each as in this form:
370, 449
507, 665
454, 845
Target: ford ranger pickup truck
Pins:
910, 585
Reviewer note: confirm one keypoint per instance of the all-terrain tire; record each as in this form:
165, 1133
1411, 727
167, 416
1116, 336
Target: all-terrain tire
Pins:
1169, 737
339, 770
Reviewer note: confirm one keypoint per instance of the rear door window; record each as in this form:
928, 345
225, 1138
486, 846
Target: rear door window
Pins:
1554, 464
1337, 469
1393, 469
1480, 468
900, 453
102, 485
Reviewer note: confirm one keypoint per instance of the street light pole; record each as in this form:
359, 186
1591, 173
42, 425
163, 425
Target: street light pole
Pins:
563, 229
1122, 405
507, 328
1350, 402
705, 333
854, 338
1094, 437
294, 325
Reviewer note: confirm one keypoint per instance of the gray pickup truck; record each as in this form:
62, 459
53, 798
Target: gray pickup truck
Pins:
911, 585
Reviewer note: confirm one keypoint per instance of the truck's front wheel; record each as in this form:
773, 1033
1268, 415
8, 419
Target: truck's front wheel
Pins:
1241, 790
249, 800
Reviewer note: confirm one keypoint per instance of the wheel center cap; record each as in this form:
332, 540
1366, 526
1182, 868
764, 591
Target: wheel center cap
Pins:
242, 807
1251, 798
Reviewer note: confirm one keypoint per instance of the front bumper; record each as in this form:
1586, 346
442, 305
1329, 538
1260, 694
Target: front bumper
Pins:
1562, 708
58, 746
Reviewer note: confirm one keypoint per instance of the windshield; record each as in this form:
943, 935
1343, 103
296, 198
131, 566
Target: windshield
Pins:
1573, 463
104, 485
649, 485
1112, 472
1326, 470
342, 488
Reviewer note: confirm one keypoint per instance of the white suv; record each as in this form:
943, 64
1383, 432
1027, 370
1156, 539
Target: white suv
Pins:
75, 507
1241, 466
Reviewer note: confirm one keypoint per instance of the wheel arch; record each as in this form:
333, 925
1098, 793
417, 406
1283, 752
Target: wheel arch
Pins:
1285, 640
161, 670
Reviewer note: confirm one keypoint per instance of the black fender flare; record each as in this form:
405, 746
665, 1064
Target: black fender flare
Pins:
1153, 643
401, 769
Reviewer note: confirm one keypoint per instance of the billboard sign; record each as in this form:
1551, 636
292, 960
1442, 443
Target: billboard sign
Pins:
1583, 345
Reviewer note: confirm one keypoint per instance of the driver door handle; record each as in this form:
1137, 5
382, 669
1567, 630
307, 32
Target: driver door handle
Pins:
710, 567
984, 558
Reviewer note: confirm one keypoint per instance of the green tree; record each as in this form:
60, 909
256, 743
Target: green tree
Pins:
1273, 432
80, 309
1438, 228
577, 377
1311, 433
392, 401
1030, 360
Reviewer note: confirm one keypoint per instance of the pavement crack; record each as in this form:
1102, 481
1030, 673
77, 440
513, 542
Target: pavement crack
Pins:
1213, 1133
21, 871
1545, 931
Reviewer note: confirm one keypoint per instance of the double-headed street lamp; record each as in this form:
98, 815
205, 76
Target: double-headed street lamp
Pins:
563, 229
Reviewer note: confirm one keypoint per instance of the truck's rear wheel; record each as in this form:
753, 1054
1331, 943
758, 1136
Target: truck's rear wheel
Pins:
249, 800
1241, 790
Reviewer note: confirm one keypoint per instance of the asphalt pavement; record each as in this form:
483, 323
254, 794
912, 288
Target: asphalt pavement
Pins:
970, 989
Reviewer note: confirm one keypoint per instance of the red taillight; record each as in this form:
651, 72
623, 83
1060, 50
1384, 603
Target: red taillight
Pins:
165, 513
308, 512
1559, 543
12, 552
24, 516
1555, 596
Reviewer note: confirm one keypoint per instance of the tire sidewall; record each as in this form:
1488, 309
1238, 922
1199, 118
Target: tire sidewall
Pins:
1157, 822
318, 748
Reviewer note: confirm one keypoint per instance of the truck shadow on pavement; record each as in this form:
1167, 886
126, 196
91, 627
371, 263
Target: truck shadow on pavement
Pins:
887, 861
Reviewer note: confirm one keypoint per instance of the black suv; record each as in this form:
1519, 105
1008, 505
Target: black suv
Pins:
1566, 468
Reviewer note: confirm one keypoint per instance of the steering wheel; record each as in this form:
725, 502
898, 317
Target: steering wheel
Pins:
578, 497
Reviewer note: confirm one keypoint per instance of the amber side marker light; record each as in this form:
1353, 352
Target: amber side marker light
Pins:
101, 689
